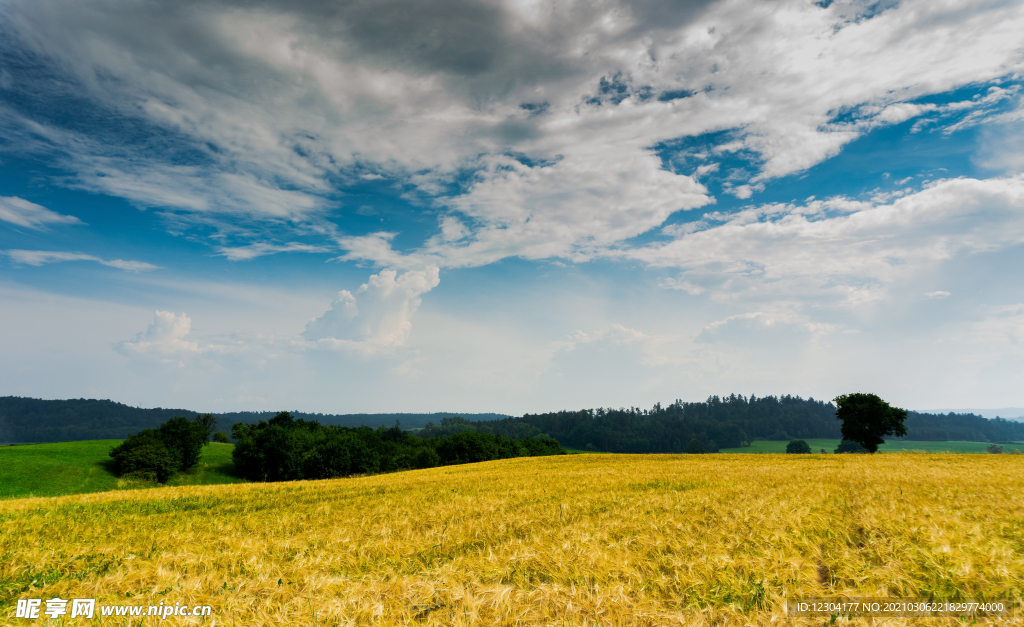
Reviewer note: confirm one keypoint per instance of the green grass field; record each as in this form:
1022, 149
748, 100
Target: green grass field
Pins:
762, 446
80, 467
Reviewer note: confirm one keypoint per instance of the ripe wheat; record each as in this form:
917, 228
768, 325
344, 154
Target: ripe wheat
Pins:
572, 540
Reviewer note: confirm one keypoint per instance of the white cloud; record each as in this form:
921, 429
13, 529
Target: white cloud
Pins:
21, 212
378, 317
751, 329
937, 294
839, 248
41, 257
164, 338
283, 101
259, 249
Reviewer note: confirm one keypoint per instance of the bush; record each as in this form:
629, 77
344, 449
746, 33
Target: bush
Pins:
222, 437
695, 447
994, 448
145, 455
798, 446
176, 445
848, 446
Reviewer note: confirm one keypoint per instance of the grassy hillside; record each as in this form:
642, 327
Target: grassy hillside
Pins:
81, 467
569, 540
765, 446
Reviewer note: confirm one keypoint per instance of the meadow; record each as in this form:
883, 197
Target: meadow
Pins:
566, 540
81, 467
892, 446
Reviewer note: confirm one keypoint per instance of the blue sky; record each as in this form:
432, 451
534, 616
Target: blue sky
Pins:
510, 206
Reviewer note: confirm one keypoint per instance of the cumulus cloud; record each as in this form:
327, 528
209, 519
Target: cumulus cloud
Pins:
163, 339
41, 257
261, 111
21, 212
378, 317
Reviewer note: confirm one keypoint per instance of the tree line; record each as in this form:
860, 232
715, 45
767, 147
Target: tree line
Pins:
719, 422
285, 449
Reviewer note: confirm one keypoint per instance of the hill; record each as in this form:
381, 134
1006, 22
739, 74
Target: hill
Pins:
38, 420
575, 540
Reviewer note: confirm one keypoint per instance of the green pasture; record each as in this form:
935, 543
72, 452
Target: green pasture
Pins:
80, 467
892, 446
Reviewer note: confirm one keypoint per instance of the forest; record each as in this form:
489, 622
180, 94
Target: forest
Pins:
718, 422
38, 420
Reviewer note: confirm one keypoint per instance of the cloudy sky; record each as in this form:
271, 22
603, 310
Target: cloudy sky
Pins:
511, 206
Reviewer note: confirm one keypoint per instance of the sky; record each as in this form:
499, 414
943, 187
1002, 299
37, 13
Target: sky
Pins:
511, 206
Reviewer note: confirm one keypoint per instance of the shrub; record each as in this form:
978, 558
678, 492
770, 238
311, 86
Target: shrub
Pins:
176, 445
848, 446
994, 448
222, 437
798, 446
144, 454
695, 447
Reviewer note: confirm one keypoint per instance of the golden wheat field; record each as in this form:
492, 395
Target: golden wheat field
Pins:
570, 540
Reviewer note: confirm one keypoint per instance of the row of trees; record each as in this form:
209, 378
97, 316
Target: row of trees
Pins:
284, 448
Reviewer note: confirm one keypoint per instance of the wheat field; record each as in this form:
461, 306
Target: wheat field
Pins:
570, 540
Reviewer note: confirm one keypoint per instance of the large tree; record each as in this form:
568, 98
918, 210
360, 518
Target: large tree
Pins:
867, 419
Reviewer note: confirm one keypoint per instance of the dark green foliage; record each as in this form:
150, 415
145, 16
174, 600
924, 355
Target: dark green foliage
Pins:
867, 419
994, 449
144, 454
798, 446
695, 447
186, 438
287, 448
38, 420
848, 446
159, 453
222, 437
729, 421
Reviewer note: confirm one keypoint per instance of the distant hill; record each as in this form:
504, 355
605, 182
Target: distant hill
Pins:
38, 420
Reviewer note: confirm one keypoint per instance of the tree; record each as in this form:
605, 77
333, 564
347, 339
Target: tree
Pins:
695, 447
222, 437
798, 446
186, 438
867, 419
